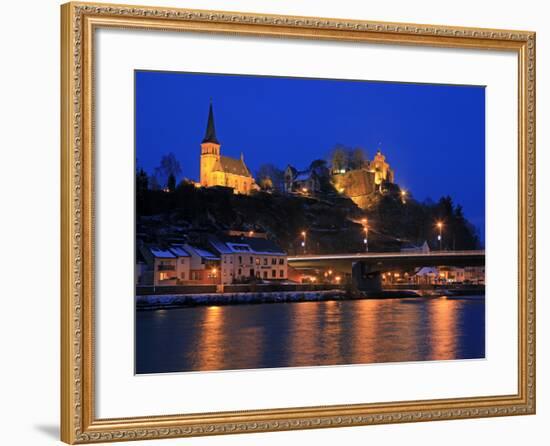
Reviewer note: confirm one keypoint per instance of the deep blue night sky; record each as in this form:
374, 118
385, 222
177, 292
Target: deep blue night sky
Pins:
432, 135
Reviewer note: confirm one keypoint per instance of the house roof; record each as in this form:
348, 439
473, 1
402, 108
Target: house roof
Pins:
179, 251
231, 165
227, 244
207, 255
427, 270
302, 176
161, 253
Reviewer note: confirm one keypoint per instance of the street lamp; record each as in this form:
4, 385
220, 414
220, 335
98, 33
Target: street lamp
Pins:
304, 235
439, 225
366, 229
403, 196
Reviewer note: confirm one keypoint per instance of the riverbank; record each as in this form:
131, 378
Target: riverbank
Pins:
155, 302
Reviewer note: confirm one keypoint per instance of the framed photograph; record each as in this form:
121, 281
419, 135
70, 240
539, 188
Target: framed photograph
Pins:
276, 223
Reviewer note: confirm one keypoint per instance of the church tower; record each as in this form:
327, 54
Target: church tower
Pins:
210, 150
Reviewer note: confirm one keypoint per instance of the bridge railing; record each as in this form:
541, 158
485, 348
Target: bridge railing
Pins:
463, 253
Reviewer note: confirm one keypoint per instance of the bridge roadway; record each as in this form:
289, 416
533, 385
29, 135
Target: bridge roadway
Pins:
366, 267
388, 260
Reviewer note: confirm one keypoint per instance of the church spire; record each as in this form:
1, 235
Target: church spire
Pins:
210, 135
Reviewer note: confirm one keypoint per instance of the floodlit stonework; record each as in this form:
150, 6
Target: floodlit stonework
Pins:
219, 170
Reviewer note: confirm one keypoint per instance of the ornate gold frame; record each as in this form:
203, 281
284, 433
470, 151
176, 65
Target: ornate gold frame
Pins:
78, 423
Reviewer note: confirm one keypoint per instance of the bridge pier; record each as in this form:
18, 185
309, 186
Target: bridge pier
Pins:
365, 279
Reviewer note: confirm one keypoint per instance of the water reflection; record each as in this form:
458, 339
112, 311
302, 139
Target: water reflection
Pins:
209, 354
443, 318
309, 334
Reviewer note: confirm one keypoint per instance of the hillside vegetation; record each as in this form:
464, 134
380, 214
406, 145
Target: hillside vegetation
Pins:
333, 223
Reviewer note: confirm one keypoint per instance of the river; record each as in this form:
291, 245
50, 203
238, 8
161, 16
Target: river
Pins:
309, 334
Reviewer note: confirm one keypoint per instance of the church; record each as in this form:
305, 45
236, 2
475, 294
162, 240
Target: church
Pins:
219, 170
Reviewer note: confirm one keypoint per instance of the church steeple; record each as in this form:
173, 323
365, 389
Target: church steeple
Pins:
210, 135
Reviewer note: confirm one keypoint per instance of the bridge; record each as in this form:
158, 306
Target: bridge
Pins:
366, 267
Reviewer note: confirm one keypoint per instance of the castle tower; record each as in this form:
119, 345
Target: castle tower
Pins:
210, 150
381, 169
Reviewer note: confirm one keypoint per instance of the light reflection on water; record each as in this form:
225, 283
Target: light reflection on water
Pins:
309, 334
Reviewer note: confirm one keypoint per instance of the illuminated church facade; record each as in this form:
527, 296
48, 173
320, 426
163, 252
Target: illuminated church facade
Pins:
219, 170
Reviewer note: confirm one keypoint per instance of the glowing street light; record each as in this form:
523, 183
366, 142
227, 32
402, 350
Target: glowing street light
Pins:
304, 235
439, 225
403, 196
365, 223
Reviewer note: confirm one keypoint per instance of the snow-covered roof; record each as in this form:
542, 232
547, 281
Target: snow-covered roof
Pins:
219, 246
162, 253
239, 247
179, 251
204, 253
240, 244
302, 176
427, 270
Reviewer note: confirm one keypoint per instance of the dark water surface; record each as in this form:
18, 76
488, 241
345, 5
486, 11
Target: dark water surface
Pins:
309, 334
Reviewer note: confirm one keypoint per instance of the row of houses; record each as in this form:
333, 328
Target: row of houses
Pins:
223, 259
442, 275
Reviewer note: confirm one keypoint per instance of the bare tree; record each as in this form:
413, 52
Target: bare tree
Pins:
169, 165
270, 176
339, 158
357, 158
